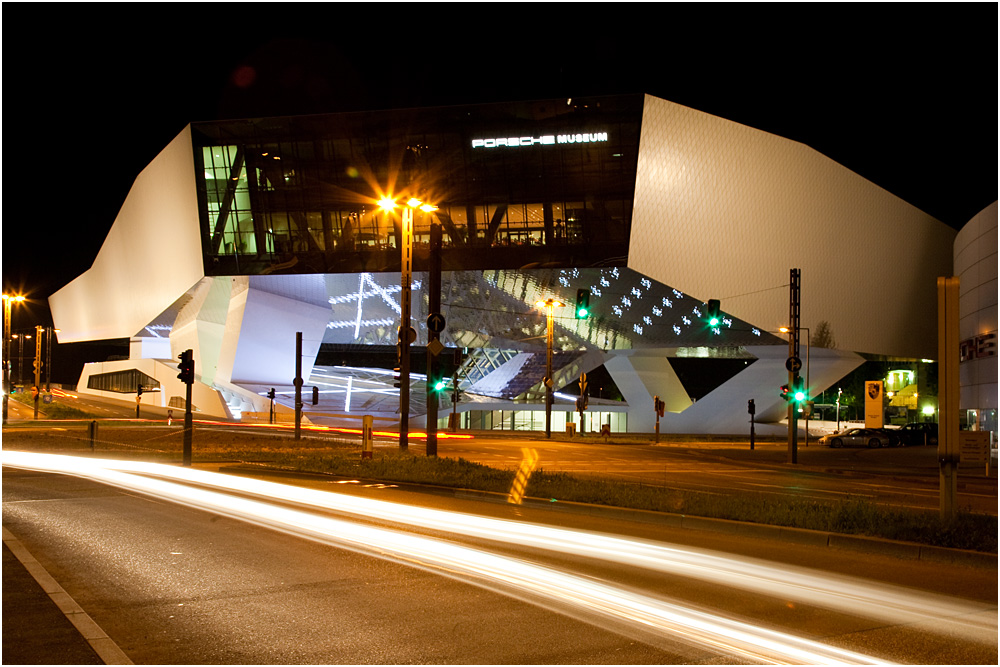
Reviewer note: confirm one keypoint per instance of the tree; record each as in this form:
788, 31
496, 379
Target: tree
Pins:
823, 336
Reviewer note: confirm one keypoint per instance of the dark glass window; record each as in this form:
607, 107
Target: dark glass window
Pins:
515, 184
123, 382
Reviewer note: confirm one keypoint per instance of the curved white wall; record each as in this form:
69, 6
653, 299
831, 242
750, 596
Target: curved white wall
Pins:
725, 211
976, 268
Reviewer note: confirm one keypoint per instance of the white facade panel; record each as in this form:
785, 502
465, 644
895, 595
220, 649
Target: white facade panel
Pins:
151, 256
725, 211
975, 252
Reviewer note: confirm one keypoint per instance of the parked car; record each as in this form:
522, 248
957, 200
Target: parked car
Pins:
856, 437
892, 434
918, 433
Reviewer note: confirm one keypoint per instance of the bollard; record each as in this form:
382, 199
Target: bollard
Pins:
93, 434
367, 446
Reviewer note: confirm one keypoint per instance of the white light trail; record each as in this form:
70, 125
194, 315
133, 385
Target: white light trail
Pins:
847, 594
653, 619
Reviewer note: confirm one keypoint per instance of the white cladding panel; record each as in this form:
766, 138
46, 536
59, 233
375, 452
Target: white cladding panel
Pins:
976, 267
152, 255
725, 211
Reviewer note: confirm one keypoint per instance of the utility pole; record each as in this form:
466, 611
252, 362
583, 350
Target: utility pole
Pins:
406, 282
434, 338
793, 363
298, 385
38, 366
948, 393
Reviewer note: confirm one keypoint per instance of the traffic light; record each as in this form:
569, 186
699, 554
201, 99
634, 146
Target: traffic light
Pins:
785, 392
800, 391
315, 395
440, 385
270, 394
713, 313
659, 406
396, 377
138, 390
751, 407
186, 367
582, 304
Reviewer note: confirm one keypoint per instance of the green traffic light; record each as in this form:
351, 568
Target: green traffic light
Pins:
439, 385
582, 313
800, 396
714, 321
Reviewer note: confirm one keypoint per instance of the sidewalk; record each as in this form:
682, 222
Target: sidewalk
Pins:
42, 625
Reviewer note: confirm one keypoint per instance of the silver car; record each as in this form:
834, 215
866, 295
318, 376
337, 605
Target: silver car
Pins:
856, 437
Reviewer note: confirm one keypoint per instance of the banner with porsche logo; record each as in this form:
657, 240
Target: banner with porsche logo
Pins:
873, 404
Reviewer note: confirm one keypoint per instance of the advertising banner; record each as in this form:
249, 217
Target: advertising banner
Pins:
873, 404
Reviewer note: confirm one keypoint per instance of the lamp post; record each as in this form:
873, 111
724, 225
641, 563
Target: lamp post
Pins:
548, 304
20, 356
407, 333
8, 301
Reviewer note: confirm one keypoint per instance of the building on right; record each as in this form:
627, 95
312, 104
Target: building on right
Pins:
975, 265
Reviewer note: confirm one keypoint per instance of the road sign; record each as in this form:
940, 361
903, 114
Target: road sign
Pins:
410, 333
583, 382
435, 347
435, 322
793, 364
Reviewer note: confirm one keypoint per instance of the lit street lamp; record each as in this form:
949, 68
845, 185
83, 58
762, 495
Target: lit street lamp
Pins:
407, 333
8, 300
548, 304
20, 355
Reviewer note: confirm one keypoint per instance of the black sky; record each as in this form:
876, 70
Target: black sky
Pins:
903, 94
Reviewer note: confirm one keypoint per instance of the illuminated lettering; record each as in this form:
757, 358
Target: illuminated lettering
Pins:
544, 140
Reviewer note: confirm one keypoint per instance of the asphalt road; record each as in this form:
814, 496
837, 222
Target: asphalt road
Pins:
172, 584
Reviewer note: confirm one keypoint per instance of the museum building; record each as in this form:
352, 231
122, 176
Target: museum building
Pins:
242, 233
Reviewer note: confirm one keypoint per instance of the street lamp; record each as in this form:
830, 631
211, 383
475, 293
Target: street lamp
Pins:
20, 355
8, 300
548, 304
407, 334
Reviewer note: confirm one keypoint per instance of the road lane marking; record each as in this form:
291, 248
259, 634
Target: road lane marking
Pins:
105, 647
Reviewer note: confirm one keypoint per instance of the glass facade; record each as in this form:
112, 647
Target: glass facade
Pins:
123, 382
547, 183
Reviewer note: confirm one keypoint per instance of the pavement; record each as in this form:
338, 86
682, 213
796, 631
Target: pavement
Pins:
42, 624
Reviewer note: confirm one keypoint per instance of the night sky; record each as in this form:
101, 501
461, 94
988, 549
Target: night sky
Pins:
903, 94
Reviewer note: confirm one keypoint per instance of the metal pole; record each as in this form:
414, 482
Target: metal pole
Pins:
6, 354
434, 306
188, 421
548, 369
793, 352
406, 279
948, 393
38, 367
48, 359
298, 385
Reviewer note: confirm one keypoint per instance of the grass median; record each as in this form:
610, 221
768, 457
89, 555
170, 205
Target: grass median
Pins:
342, 458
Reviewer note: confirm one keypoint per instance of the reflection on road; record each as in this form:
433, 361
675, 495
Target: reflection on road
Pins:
650, 619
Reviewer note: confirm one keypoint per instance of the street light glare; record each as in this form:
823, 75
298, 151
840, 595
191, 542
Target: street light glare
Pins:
387, 204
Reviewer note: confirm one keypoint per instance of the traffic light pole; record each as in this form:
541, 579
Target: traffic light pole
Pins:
298, 385
433, 307
548, 371
188, 420
793, 353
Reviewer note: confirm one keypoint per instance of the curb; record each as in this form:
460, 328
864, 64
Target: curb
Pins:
801, 536
105, 647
